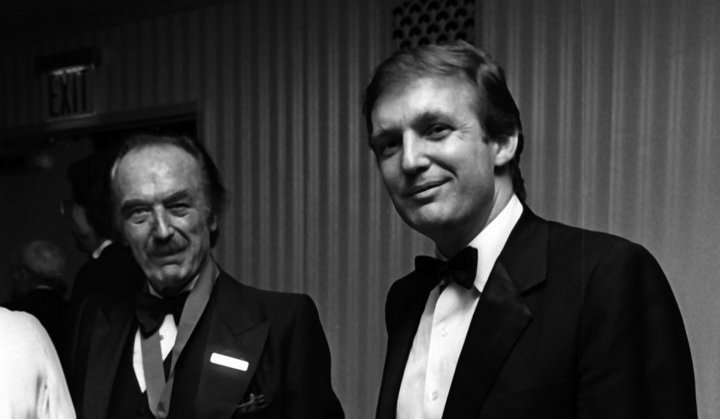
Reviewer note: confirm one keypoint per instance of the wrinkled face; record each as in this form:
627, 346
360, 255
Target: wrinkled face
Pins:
434, 161
164, 215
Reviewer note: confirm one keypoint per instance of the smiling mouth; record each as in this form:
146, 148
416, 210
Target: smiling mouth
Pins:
423, 187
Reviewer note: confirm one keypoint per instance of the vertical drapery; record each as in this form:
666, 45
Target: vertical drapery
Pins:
621, 107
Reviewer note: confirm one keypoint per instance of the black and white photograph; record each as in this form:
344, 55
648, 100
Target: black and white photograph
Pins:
389, 209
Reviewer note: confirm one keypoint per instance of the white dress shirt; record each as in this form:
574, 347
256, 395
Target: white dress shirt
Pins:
444, 324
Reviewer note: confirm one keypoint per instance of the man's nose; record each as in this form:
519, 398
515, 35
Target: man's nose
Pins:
162, 229
414, 153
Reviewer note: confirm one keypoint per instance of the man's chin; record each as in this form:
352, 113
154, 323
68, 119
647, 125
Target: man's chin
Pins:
427, 218
169, 277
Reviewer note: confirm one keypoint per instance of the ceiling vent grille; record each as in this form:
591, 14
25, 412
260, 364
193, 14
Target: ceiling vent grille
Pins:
422, 22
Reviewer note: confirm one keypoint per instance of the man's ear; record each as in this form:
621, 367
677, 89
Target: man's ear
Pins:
505, 150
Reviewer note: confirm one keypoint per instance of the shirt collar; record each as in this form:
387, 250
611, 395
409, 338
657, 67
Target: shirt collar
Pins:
491, 240
98, 251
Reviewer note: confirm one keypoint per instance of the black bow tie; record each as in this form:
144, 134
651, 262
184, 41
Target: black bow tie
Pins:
460, 269
151, 311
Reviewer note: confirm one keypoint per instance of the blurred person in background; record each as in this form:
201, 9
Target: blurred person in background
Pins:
38, 278
111, 268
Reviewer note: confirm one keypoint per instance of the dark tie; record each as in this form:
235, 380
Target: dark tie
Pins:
151, 311
460, 269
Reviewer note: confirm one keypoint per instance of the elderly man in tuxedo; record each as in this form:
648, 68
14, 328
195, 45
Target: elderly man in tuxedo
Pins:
195, 342
516, 317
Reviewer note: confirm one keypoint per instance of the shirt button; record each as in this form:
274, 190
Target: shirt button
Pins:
443, 332
435, 395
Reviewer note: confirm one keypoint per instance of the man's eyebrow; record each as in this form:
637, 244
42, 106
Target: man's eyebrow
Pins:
177, 196
174, 197
419, 121
126, 206
428, 117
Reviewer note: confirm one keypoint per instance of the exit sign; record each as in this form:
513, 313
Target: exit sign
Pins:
69, 92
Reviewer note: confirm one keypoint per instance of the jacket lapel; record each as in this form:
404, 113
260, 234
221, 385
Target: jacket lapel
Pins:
500, 318
233, 332
111, 330
402, 325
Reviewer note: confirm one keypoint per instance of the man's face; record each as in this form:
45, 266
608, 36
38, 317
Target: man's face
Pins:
433, 159
164, 214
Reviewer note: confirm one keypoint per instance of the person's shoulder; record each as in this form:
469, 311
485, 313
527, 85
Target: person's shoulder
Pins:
590, 249
268, 299
116, 255
93, 303
10, 320
589, 241
22, 327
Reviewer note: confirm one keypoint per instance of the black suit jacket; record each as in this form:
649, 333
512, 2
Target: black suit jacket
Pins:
115, 273
571, 324
278, 334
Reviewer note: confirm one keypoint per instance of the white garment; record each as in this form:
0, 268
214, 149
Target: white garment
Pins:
445, 322
32, 384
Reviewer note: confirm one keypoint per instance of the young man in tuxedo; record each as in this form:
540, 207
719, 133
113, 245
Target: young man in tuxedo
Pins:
195, 342
517, 317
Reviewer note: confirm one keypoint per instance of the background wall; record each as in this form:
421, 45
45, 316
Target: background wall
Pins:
619, 101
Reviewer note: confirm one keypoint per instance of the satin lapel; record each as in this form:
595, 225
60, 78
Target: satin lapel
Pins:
110, 333
402, 326
500, 318
234, 332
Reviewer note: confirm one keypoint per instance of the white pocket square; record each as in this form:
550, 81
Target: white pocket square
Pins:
228, 361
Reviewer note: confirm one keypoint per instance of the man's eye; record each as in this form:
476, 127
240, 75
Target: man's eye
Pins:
179, 209
138, 215
437, 131
387, 147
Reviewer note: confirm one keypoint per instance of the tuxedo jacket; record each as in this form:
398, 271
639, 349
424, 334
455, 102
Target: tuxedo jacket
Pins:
278, 334
571, 324
114, 272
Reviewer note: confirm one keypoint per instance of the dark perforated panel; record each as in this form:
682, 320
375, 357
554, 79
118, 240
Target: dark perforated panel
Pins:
422, 22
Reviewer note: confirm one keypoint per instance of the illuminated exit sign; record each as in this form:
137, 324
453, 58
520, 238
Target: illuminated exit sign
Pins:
69, 92
68, 83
